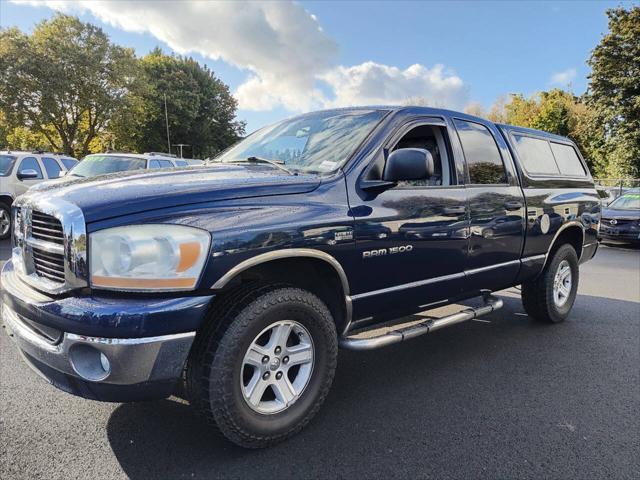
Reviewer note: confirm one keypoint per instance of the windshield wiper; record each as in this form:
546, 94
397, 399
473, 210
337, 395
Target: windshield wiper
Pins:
276, 163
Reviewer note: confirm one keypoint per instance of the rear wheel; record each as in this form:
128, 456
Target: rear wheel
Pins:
5, 221
264, 372
550, 297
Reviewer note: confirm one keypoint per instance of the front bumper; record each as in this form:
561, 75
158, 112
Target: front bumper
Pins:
95, 366
620, 234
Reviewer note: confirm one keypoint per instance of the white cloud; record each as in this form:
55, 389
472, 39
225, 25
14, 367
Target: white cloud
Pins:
281, 45
373, 83
563, 78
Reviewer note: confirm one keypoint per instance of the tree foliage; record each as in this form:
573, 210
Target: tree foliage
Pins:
64, 82
200, 108
66, 87
614, 90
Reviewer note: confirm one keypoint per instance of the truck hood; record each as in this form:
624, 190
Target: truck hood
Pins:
126, 193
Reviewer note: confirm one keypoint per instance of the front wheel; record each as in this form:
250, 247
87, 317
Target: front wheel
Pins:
265, 370
550, 297
5, 221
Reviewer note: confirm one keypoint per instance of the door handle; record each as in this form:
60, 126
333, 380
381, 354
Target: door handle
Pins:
511, 206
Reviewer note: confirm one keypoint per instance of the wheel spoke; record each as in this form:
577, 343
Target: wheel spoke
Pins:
255, 355
300, 354
283, 390
255, 390
279, 336
563, 290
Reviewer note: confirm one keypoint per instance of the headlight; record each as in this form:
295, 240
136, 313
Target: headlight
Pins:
147, 257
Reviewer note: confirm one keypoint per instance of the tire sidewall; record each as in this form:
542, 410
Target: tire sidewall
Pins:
315, 317
6, 208
559, 313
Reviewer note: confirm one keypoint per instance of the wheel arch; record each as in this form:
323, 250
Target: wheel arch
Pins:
571, 233
300, 267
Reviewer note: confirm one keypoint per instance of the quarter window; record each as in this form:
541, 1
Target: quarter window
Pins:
30, 163
481, 153
52, 167
567, 160
536, 155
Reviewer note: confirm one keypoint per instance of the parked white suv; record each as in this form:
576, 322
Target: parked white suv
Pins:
21, 170
105, 163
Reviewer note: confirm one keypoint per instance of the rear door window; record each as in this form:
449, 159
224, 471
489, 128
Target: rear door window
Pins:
52, 167
536, 155
31, 163
481, 153
567, 159
165, 164
154, 164
69, 163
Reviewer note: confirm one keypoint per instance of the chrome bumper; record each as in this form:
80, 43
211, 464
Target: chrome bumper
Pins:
129, 361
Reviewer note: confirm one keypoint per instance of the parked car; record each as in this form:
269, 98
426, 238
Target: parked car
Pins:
620, 221
609, 194
21, 170
236, 282
105, 163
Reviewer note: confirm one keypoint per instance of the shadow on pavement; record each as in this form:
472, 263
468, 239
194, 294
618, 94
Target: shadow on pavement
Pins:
501, 399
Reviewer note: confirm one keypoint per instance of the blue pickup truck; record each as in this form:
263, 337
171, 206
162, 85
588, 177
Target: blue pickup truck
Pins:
235, 283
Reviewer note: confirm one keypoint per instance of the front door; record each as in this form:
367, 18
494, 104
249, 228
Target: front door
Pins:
412, 239
28, 163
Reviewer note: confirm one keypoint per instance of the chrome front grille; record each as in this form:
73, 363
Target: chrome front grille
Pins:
47, 263
47, 228
49, 249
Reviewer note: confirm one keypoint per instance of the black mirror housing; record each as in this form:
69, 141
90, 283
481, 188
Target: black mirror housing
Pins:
408, 164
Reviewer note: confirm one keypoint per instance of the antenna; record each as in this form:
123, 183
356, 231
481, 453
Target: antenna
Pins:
181, 145
166, 119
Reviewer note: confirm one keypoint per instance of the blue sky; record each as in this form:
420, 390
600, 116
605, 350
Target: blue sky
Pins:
280, 57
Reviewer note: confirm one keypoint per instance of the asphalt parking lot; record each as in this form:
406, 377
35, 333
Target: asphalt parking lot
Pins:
508, 398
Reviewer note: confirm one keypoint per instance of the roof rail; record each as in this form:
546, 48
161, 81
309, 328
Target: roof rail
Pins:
161, 154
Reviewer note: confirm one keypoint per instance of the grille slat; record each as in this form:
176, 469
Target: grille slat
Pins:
50, 270
50, 276
47, 228
48, 263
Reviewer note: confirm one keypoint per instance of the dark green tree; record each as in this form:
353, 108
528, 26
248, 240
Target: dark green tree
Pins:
200, 109
614, 90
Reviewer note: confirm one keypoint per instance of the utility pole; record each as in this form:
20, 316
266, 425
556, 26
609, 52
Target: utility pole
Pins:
180, 145
166, 119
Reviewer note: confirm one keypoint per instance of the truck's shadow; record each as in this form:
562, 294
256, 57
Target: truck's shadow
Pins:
427, 404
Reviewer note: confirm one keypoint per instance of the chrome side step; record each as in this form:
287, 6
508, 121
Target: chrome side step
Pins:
491, 303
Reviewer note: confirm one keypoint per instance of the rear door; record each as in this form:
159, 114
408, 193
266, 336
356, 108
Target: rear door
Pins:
52, 167
496, 206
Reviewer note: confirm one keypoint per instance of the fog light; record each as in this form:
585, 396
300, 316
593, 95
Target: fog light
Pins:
89, 362
104, 361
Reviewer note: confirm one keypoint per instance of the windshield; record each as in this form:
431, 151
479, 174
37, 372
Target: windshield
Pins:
628, 201
93, 165
316, 143
6, 164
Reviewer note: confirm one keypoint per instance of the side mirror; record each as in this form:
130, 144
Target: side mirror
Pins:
28, 174
62, 173
408, 164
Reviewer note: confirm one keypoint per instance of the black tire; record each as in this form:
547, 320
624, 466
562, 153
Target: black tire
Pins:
5, 210
538, 295
214, 369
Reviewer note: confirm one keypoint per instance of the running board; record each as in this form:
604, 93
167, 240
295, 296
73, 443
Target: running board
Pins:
491, 303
